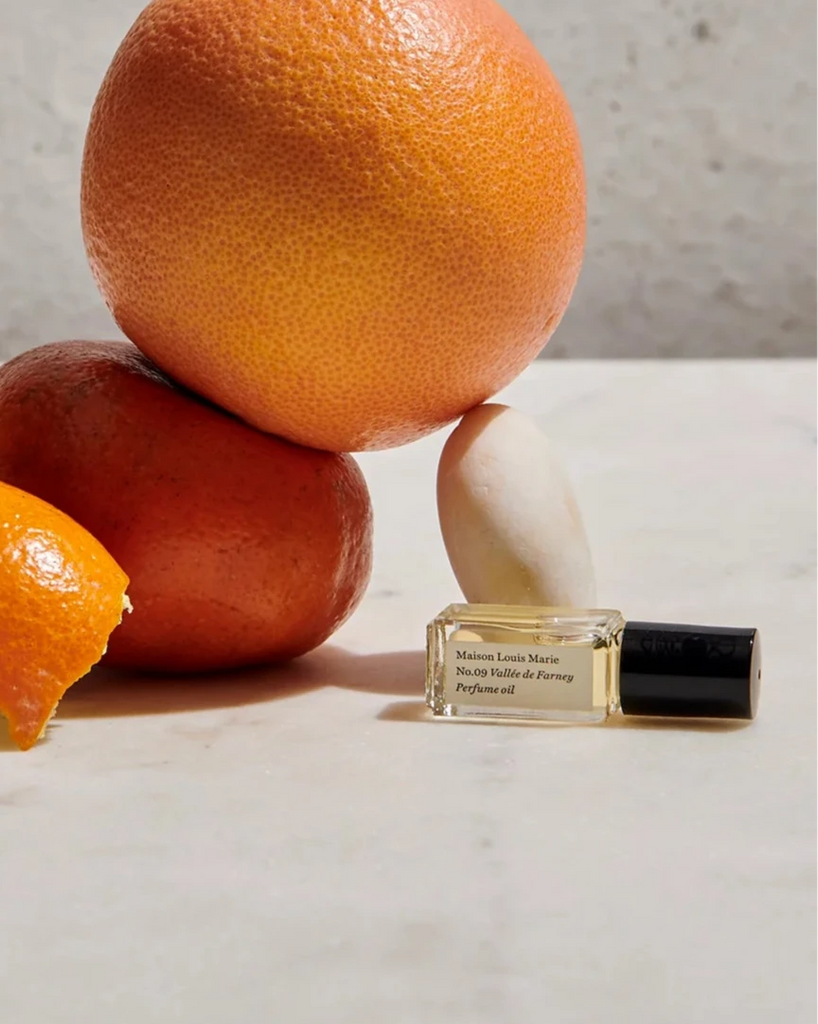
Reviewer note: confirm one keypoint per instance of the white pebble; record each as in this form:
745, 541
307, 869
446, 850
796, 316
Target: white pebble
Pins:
509, 518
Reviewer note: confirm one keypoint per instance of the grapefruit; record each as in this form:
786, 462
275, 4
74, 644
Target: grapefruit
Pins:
345, 222
241, 548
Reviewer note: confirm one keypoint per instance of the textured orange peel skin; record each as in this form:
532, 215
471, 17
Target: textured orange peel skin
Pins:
345, 222
61, 596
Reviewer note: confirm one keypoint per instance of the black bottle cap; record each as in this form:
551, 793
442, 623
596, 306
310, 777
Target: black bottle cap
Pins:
689, 671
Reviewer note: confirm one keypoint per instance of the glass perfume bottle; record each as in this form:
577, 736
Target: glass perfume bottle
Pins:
582, 665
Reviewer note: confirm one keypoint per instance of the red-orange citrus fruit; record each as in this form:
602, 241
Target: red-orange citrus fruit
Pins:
61, 595
346, 221
241, 548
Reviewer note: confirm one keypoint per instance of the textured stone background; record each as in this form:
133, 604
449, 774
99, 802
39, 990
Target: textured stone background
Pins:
698, 120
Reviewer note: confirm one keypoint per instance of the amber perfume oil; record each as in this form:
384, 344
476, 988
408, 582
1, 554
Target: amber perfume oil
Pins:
582, 665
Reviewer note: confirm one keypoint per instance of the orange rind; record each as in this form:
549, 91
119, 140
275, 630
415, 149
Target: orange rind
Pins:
61, 596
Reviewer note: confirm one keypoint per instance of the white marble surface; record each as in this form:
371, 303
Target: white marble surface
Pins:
302, 846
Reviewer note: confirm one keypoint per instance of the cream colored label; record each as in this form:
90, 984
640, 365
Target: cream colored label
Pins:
519, 675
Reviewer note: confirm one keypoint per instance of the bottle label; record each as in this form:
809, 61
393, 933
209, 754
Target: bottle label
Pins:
553, 677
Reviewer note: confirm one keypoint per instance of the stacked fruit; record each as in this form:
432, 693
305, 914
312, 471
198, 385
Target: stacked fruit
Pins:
326, 227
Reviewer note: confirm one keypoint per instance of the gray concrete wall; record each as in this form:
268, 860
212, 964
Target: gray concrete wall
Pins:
698, 120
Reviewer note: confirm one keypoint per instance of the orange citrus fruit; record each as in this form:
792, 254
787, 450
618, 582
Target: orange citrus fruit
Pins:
241, 548
346, 222
61, 596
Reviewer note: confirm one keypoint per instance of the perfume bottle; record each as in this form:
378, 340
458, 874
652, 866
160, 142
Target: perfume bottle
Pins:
582, 665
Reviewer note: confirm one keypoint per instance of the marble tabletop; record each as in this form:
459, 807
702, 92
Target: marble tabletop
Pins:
302, 845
